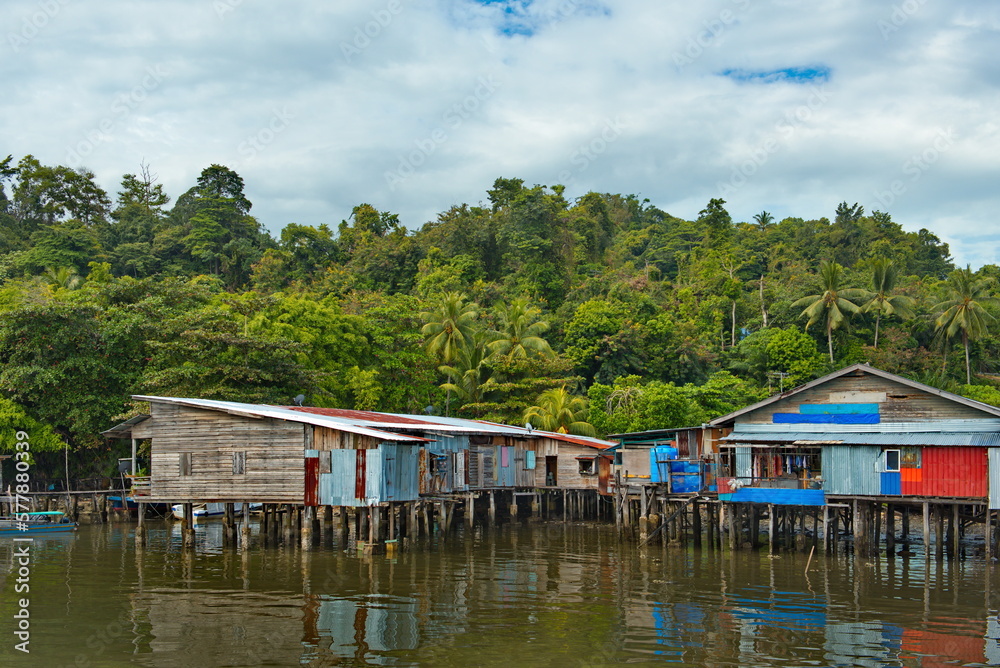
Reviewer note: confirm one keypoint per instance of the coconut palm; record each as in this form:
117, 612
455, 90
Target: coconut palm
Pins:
450, 326
558, 410
764, 219
833, 305
469, 376
519, 331
882, 301
962, 310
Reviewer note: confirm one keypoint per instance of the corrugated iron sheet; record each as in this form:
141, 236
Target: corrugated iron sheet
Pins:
926, 427
994, 473
851, 469
935, 438
954, 472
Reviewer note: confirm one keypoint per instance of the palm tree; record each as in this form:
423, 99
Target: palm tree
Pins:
469, 377
558, 410
519, 332
884, 275
449, 327
764, 219
833, 305
62, 277
963, 310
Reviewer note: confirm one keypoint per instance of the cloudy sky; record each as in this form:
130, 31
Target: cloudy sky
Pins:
789, 106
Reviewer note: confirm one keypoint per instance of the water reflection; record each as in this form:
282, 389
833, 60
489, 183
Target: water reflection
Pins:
535, 595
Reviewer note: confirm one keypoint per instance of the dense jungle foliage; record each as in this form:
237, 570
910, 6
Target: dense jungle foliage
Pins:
596, 315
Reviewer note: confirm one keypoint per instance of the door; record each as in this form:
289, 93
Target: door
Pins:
603, 474
551, 471
311, 497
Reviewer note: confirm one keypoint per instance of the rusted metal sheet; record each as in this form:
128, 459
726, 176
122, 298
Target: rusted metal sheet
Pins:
423, 474
603, 474
955, 472
361, 475
311, 497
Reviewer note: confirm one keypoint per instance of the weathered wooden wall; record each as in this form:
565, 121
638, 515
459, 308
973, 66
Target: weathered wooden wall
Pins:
896, 402
274, 465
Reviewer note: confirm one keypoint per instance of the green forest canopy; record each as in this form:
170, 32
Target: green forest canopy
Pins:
660, 322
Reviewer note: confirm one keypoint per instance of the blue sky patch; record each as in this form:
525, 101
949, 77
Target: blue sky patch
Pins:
819, 73
526, 17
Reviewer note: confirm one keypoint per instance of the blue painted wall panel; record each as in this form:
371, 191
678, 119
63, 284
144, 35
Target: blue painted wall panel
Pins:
837, 409
779, 497
799, 418
891, 482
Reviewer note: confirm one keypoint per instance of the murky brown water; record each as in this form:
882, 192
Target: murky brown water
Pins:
539, 595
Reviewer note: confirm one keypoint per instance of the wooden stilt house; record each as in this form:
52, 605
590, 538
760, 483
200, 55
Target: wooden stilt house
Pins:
861, 432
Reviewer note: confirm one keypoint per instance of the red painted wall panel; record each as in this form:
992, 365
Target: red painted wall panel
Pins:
954, 471
312, 482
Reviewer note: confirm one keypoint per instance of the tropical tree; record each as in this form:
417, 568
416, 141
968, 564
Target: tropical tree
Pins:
469, 377
520, 330
450, 326
558, 410
764, 219
833, 305
882, 301
962, 310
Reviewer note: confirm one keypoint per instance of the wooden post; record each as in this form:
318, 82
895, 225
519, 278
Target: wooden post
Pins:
513, 507
956, 530
890, 529
696, 522
140, 529
187, 526
470, 510
305, 539
493, 510
826, 529
730, 512
904, 515
939, 538
926, 508
536, 507
770, 529
244, 528
565, 506
989, 533
228, 525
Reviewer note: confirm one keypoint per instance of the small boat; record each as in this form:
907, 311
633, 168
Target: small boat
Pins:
206, 510
36, 522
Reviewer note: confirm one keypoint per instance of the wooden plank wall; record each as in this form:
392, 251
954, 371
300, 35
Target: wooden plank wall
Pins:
275, 471
897, 402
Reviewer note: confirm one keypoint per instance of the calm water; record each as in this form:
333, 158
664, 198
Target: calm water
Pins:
540, 595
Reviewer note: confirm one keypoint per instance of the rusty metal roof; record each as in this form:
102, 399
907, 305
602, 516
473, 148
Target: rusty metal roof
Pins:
276, 412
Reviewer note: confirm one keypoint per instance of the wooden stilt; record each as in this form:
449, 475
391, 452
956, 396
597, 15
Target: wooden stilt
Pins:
926, 509
244, 528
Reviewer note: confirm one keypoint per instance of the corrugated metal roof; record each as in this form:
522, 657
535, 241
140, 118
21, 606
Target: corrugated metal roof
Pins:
986, 439
124, 430
986, 408
927, 426
262, 411
358, 417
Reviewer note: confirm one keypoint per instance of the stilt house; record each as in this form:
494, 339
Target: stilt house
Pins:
206, 450
861, 432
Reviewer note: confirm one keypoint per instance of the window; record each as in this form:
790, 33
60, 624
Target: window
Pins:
184, 464
325, 461
586, 466
892, 460
239, 463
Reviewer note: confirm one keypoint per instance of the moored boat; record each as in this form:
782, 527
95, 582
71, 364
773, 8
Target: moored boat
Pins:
36, 522
206, 510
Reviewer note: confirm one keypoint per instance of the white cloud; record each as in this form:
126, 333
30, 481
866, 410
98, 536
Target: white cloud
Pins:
370, 88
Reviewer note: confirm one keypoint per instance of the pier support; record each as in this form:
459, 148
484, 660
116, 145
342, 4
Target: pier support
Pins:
187, 526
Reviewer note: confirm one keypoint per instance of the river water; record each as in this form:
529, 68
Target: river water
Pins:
532, 595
